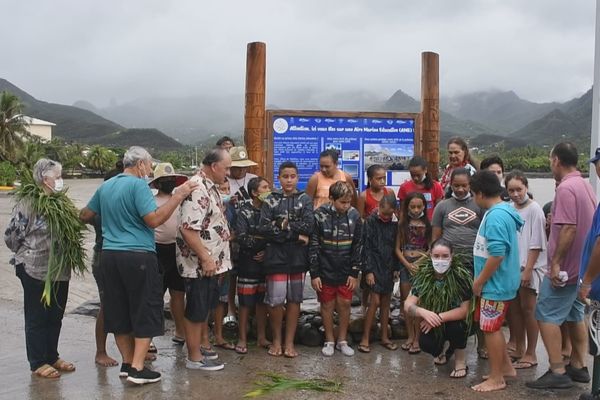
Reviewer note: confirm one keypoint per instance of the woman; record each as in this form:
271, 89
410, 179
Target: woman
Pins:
458, 157
441, 296
318, 184
421, 182
44, 232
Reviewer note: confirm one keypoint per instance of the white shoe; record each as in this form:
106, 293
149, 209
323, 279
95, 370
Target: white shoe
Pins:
344, 348
328, 349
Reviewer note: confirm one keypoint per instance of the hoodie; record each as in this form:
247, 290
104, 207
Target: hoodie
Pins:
497, 236
250, 242
284, 252
335, 250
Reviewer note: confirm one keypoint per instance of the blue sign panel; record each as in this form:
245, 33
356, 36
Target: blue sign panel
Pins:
360, 143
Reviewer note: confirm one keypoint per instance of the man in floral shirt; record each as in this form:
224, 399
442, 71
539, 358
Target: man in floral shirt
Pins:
203, 256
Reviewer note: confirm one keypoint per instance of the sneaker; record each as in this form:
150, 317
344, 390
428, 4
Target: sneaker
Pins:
551, 380
328, 349
578, 374
124, 372
143, 376
209, 354
204, 365
344, 348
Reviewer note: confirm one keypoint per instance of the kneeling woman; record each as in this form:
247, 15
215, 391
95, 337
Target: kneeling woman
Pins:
441, 296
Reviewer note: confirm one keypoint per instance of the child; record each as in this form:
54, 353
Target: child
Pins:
533, 263
286, 221
441, 296
497, 273
335, 261
379, 267
250, 277
369, 198
421, 182
412, 241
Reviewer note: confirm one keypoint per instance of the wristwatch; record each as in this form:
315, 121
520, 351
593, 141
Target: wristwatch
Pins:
584, 285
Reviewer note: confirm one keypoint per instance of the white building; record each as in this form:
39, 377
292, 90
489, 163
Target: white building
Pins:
38, 127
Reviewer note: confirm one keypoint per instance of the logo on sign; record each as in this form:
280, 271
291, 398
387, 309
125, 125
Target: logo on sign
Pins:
280, 125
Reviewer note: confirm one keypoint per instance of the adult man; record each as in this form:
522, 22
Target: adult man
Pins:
203, 255
572, 212
133, 304
239, 176
225, 143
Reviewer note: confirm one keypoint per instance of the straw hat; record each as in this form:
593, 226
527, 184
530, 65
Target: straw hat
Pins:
166, 169
239, 157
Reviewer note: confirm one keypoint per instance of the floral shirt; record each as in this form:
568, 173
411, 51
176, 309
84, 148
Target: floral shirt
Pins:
204, 212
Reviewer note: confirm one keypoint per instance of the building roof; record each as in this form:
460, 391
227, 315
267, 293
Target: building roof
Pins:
35, 121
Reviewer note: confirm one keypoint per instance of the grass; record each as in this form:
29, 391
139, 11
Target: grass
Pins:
277, 383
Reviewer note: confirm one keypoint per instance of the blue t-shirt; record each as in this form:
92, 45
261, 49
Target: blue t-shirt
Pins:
588, 247
122, 202
497, 236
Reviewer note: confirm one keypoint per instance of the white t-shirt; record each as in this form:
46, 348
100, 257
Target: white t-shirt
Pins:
167, 232
533, 235
235, 184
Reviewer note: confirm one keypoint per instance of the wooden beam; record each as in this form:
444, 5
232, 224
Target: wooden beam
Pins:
430, 111
254, 115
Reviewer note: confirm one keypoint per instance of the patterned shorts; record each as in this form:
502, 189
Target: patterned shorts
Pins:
251, 291
491, 314
282, 287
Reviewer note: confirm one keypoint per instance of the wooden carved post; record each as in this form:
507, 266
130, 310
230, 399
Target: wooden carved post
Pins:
430, 110
254, 116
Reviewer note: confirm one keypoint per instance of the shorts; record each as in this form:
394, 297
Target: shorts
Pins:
223, 281
556, 305
330, 293
405, 275
251, 291
490, 314
167, 264
537, 276
202, 295
133, 297
96, 273
282, 287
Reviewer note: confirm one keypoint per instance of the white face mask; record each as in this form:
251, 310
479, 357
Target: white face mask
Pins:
468, 195
441, 266
523, 201
59, 185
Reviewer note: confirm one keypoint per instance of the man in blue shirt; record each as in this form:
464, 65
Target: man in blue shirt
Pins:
133, 303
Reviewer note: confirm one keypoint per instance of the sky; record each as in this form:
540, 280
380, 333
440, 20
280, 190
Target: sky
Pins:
68, 50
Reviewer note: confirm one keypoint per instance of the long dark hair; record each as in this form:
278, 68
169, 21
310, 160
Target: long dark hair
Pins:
420, 162
404, 223
464, 147
371, 172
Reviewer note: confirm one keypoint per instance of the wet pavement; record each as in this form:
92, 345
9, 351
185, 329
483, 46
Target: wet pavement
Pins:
382, 374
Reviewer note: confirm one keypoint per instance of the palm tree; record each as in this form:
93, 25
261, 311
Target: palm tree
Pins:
31, 151
12, 127
100, 158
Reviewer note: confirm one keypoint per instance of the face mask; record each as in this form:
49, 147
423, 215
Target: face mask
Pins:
58, 185
225, 198
416, 216
441, 266
167, 187
523, 201
468, 195
263, 196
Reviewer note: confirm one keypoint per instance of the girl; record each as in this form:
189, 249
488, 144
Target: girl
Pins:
441, 296
250, 277
335, 261
458, 157
422, 182
369, 199
412, 241
380, 264
533, 262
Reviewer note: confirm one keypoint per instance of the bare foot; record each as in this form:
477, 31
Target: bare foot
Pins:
290, 352
489, 386
507, 374
104, 360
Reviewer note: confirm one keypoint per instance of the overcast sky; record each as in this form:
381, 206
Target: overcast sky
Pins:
64, 51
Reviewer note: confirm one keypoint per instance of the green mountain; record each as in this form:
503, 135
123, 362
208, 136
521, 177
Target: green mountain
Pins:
82, 125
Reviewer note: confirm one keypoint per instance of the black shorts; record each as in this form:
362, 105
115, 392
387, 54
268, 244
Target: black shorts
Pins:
97, 275
202, 296
167, 264
133, 296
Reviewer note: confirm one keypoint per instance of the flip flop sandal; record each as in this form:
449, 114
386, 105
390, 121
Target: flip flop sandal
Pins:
391, 346
437, 360
288, 354
241, 349
406, 346
225, 346
47, 371
455, 371
414, 350
63, 366
363, 349
523, 365
483, 354
178, 340
274, 352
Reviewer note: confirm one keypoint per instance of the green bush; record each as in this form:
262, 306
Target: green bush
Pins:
8, 174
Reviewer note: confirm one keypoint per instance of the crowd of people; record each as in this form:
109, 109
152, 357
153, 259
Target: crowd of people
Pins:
470, 252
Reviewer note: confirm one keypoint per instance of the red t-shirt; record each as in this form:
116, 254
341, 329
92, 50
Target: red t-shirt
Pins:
432, 196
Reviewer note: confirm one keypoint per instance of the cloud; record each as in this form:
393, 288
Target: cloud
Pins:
67, 50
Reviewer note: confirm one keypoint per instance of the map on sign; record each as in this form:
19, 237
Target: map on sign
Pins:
359, 142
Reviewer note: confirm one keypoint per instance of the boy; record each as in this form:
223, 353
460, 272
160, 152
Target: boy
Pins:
497, 273
286, 222
335, 261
